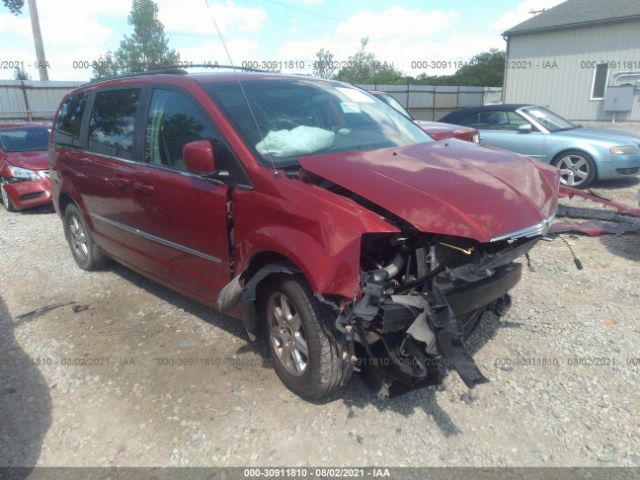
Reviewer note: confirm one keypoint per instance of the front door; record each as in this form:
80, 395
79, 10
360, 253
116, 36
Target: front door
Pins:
500, 128
181, 217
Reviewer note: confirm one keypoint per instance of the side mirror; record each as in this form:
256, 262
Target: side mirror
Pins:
525, 128
198, 157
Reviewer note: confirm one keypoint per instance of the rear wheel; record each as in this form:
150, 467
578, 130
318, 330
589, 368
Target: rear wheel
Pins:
84, 250
302, 347
577, 169
6, 201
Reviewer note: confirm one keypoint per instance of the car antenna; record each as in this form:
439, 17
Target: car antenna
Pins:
244, 94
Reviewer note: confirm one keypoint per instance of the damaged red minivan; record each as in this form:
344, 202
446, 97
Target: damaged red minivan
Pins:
331, 224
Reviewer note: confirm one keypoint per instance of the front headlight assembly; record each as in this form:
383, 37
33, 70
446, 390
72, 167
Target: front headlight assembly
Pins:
23, 174
624, 150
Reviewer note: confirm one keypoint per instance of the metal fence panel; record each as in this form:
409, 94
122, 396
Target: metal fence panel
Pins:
429, 102
31, 100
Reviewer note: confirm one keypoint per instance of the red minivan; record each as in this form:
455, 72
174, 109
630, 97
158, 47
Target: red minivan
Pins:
334, 226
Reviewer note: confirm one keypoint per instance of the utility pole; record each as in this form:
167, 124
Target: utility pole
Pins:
37, 40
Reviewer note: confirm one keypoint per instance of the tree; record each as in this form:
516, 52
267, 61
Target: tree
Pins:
14, 6
20, 74
105, 66
364, 67
324, 66
485, 69
145, 49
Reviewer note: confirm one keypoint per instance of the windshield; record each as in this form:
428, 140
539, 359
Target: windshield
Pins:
24, 139
548, 119
395, 104
304, 117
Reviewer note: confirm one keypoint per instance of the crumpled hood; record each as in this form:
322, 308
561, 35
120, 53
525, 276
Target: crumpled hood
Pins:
452, 188
34, 160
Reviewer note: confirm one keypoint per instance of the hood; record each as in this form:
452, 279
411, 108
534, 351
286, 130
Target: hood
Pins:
616, 137
440, 130
454, 188
35, 160
442, 127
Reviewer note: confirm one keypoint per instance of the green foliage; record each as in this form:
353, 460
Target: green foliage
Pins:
485, 69
20, 74
323, 66
145, 49
105, 66
364, 67
14, 6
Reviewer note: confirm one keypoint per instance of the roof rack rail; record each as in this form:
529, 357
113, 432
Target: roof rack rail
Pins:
176, 70
154, 71
216, 65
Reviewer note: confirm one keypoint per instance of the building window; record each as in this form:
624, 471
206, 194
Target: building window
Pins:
599, 81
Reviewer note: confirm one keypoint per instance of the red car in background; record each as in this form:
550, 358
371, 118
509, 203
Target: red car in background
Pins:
24, 174
437, 130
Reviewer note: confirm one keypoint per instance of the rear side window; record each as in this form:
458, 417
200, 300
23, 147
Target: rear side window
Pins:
113, 118
66, 131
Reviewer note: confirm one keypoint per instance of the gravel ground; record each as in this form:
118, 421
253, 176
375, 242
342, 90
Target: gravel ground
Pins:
110, 369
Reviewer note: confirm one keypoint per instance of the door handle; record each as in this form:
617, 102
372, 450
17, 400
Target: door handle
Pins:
120, 182
144, 188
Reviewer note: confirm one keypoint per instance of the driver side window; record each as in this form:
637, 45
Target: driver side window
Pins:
174, 120
493, 120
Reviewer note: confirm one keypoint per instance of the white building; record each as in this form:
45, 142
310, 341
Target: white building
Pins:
574, 57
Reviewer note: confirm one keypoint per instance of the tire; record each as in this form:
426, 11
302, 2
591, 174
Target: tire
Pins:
320, 370
579, 168
6, 201
83, 248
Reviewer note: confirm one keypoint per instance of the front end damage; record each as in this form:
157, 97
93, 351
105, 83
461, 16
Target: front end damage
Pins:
445, 224
420, 296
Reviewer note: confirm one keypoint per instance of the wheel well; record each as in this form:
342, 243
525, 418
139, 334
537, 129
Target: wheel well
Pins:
577, 150
260, 260
564, 152
64, 200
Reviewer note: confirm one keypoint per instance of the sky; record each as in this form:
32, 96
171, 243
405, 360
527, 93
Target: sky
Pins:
263, 33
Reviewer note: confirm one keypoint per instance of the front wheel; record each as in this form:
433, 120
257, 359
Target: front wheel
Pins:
577, 169
303, 350
6, 201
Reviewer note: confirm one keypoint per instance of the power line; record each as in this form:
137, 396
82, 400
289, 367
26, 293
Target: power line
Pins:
303, 10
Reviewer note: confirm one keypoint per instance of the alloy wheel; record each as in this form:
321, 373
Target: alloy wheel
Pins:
574, 170
78, 237
286, 334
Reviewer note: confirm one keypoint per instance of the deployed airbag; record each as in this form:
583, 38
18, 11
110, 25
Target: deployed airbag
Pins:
302, 140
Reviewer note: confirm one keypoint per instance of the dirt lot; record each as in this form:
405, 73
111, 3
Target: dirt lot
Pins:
145, 377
